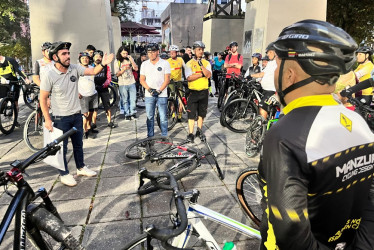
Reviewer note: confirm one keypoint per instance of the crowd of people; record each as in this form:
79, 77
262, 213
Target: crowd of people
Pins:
316, 172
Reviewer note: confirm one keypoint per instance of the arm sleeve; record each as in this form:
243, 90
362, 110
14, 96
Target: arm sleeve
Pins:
362, 85
36, 68
16, 67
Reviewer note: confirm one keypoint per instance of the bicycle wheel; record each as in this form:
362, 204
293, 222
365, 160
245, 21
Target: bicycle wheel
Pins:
255, 136
33, 131
221, 94
179, 172
145, 147
113, 95
239, 114
140, 98
29, 96
249, 194
53, 231
172, 114
8, 115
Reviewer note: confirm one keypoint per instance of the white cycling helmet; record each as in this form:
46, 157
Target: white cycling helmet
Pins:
173, 48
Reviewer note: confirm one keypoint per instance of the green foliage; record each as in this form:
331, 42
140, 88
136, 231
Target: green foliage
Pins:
126, 9
354, 16
18, 49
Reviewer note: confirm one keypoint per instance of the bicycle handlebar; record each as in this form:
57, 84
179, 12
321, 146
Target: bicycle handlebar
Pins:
164, 234
359, 104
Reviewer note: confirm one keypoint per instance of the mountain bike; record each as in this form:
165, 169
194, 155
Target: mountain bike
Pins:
35, 215
187, 230
227, 85
249, 194
159, 148
364, 110
257, 129
8, 109
33, 129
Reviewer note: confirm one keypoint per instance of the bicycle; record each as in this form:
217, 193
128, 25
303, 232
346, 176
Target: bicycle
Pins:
176, 103
33, 129
28, 94
257, 130
8, 109
249, 194
364, 110
187, 230
40, 222
159, 148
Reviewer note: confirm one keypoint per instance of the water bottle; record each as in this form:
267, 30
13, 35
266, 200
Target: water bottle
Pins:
229, 246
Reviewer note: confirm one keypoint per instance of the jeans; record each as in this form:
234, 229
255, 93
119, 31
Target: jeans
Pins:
150, 106
128, 98
65, 123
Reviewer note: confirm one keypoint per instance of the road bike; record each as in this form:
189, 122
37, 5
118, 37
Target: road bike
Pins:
36, 218
257, 129
161, 148
187, 230
33, 129
249, 194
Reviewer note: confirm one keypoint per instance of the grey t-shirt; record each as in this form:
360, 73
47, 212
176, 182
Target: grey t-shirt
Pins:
64, 89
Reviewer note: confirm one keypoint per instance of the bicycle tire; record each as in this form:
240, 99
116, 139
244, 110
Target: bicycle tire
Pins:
138, 149
255, 136
8, 115
140, 98
33, 131
239, 114
232, 97
249, 194
179, 172
29, 97
172, 114
113, 95
221, 94
54, 233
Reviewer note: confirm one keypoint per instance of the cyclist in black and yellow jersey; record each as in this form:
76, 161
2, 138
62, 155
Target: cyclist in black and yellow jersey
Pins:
316, 170
363, 70
176, 65
197, 71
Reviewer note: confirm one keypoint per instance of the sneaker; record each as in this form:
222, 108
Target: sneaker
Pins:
86, 134
190, 137
200, 134
68, 180
211, 94
111, 125
216, 94
134, 116
128, 118
93, 126
86, 172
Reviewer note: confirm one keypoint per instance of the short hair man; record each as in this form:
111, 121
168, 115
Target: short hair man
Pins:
91, 50
188, 55
197, 71
267, 81
61, 82
316, 169
155, 77
43, 64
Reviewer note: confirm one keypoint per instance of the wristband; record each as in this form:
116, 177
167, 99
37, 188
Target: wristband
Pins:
102, 65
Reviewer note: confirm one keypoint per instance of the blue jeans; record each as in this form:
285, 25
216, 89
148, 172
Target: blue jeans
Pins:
150, 107
65, 123
128, 98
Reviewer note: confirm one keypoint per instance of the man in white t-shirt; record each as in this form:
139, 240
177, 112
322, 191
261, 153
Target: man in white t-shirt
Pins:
155, 77
87, 95
267, 81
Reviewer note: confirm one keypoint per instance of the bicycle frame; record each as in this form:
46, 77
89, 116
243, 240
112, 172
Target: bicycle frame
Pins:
194, 213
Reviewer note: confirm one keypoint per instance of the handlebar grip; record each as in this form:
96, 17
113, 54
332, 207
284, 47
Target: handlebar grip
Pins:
155, 175
64, 136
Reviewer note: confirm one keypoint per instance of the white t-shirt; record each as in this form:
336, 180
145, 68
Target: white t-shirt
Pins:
267, 81
155, 75
86, 85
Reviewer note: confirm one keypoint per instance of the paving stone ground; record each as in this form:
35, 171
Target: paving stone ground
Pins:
105, 211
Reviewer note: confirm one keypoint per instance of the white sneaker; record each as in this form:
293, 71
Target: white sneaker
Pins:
68, 180
86, 172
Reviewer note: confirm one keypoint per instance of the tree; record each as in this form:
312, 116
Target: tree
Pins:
125, 9
354, 16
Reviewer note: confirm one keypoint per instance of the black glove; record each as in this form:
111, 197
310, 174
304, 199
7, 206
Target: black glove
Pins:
346, 92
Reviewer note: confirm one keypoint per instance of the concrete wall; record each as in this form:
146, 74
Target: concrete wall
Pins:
186, 22
218, 33
79, 22
265, 19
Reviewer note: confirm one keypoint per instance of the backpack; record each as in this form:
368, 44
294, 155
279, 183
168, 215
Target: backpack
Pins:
231, 55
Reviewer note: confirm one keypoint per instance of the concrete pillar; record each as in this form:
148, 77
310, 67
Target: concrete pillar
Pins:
265, 19
79, 22
218, 33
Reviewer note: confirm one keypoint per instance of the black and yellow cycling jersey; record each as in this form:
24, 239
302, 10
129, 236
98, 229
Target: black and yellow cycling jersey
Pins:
316, 171
9, 68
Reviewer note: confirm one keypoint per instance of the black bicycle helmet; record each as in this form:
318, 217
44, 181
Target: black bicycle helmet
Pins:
46, 45
265, 58
98, 52
233, 44
152, 47
164, 55
82, 54
55, 47
365, 49
270, 47
257, 55
322, 50
198, 44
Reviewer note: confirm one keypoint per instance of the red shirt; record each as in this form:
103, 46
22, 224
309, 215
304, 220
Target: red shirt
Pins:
233, 59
